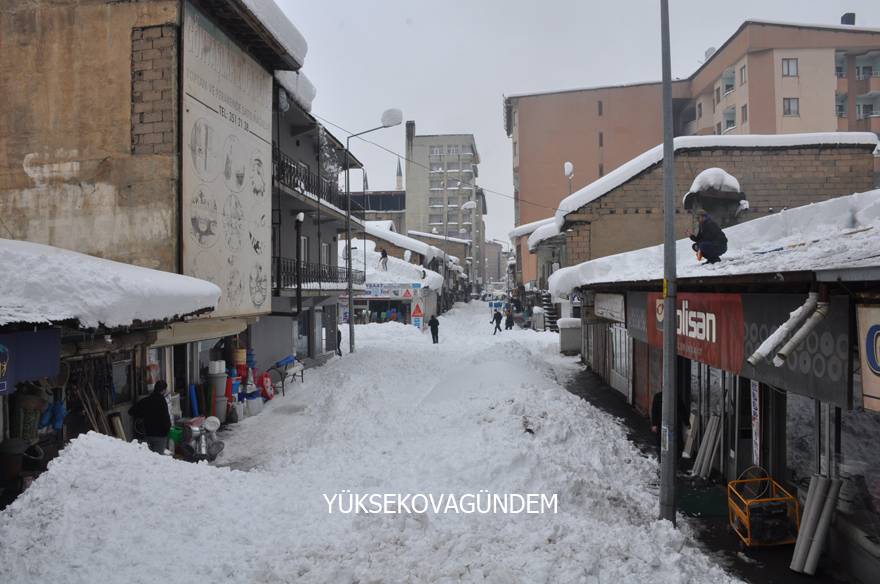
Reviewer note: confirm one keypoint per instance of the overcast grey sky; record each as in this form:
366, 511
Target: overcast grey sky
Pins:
448, 64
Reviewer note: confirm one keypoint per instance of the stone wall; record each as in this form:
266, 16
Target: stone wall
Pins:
631, 216
69, 174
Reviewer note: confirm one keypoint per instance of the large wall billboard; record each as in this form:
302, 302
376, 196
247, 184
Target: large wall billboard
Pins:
227, 168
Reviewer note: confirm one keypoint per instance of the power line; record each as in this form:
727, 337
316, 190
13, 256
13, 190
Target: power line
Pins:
399, 155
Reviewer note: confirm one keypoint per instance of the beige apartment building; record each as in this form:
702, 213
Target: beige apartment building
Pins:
442, 197
768, 78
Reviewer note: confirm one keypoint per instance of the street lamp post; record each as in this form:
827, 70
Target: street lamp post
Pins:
390, 118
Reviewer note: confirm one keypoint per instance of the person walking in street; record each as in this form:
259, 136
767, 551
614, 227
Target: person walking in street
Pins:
710, 241
157, 421
496, 318
383, 261
434, 324
338, 342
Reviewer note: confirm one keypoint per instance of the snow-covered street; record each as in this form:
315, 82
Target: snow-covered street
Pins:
475, 414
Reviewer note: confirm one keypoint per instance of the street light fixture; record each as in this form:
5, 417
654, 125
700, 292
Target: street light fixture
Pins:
390, 117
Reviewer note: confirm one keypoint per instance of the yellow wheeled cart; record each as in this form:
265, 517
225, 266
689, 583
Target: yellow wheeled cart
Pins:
761, 512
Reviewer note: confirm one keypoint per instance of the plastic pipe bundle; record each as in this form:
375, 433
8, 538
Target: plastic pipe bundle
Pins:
821, 501
703, 463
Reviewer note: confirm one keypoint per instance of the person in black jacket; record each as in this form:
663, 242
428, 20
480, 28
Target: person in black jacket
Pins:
496, 318
434, 324
157, 421
710, 241
338, 342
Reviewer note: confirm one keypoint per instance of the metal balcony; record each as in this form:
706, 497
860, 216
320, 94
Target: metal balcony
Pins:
284, 272
300, 179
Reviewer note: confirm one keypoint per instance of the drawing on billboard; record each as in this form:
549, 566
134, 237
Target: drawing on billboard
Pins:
227, 108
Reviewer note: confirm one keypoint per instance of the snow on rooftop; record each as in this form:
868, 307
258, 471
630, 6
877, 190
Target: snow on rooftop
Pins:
48, 284
836, 234
527, 228
298, 86
646, 160
542, 233
280, 27
440, 237
712, 178
398, 272
403, 241
386, 224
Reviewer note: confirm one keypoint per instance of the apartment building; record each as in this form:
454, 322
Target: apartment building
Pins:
767, 78
441, 193
383, 206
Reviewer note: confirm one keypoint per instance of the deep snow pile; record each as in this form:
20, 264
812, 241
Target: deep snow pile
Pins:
51, 284
400, 416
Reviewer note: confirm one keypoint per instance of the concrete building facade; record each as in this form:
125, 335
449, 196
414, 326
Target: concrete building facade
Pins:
441, 173
768, 78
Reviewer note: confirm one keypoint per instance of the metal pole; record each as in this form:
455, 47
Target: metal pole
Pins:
669, 428
348, 255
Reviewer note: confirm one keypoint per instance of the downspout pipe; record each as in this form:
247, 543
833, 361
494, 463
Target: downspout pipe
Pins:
795, 319
818, 316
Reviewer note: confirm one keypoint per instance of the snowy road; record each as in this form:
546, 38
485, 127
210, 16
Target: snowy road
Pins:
399, 416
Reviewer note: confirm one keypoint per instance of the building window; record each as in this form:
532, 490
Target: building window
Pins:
601, 139
436, 167
436, 150
435, 184
866, 72
453, 150
791, 106
840, 72
789, 67
435, 201
452, 184
742, 75
325, 253
303, 248
453, 166
601, 170
435, 219
599, 104
514, 147
744, 113
699, 110
718, 94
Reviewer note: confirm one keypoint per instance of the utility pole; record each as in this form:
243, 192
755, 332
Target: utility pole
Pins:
669, 427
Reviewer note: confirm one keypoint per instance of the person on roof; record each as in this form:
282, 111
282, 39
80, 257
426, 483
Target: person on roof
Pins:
383, 261
709, 241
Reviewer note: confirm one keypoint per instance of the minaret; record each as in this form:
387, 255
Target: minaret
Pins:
399, 176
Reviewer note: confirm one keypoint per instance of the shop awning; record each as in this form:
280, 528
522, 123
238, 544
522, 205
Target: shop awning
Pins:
44, 285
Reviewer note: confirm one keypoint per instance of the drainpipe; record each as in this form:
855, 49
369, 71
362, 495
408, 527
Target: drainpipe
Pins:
795, 319
300, 217
818, 316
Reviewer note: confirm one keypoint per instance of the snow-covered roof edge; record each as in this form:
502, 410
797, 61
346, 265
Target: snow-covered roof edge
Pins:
404, 241
386, 224
646, 160
62, 285
440, 237
527, 228
280, 27
543, 233
838, 233
298, 86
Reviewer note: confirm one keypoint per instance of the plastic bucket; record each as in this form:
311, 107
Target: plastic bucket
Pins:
254, 403
218, 383
220, 402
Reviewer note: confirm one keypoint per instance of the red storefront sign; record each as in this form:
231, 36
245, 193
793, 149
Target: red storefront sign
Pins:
710, 328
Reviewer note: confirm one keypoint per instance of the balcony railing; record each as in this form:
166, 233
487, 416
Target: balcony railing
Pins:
284, 273
300, 178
